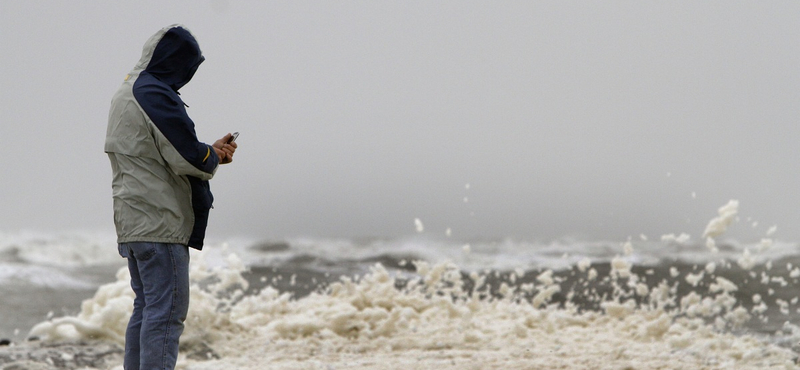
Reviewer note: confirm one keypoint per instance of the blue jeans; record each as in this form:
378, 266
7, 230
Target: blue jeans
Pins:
160, 279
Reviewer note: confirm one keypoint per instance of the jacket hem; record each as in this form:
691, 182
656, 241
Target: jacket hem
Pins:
151, 239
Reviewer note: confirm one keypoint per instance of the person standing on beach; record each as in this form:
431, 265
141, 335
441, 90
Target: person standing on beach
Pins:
160, 191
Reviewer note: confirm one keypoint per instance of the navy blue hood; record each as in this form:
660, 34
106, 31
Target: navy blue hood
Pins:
175, 58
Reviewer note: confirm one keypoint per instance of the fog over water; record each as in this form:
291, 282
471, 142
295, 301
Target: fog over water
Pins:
529, 120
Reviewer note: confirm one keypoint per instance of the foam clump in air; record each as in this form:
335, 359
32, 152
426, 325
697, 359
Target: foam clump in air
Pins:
711, 245
418, 225
719, 225
628, 248
772, 230
746, 261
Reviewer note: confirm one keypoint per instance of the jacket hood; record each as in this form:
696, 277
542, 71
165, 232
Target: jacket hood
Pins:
172, 55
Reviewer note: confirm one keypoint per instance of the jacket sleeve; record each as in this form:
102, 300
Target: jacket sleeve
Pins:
174, 132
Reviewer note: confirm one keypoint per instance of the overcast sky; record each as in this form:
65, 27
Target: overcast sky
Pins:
525, 119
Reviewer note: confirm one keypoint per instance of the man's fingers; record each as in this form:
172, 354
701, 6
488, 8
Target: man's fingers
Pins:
227, 138
225, 149
229, 148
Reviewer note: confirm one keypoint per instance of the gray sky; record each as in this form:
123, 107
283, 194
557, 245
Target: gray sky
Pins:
591, 119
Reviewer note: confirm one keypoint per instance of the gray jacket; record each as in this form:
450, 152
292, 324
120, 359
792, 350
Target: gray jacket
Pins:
160, 169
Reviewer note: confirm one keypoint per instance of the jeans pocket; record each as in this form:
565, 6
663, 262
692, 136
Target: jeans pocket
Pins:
123, 250
143, 251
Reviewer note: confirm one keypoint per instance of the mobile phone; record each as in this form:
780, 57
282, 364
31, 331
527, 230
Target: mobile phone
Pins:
233, 137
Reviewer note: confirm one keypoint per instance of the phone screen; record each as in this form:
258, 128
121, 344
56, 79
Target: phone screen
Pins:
233, 137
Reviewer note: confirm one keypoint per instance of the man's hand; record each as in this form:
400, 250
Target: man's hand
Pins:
224, 149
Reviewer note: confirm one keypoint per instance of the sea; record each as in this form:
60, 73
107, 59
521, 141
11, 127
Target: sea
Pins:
420, 301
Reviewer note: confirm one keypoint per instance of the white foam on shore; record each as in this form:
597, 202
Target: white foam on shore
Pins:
434, 323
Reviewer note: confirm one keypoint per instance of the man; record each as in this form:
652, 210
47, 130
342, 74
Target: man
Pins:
160, 190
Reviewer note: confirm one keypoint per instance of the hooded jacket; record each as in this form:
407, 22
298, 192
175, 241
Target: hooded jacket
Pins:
160, 169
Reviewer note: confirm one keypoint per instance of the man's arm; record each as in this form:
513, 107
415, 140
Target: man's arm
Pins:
177, 142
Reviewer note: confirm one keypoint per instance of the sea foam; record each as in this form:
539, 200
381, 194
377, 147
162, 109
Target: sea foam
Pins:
600, 310
441, 318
